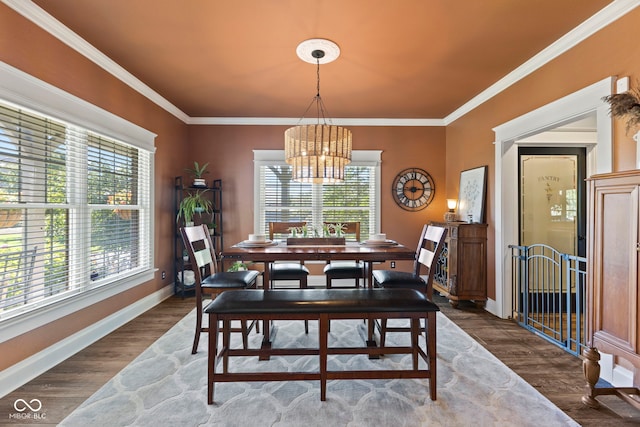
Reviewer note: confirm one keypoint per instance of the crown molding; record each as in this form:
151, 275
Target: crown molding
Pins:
44, 20
292, 121
604, 17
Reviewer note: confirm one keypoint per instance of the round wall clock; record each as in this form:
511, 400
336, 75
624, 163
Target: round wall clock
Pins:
413, 189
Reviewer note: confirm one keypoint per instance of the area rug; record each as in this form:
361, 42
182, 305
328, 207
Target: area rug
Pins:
166, 386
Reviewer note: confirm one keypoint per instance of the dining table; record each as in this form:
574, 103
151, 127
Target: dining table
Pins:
369, 252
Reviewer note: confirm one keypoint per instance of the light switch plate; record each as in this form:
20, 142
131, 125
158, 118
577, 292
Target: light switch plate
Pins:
622, 84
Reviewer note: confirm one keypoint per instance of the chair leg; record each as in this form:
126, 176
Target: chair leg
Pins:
196, 338
415, 333
245, 334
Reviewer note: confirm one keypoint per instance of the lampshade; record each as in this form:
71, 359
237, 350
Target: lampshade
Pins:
450, 215
318, 152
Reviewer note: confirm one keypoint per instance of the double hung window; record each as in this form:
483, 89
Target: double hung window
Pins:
278, 198
75, 209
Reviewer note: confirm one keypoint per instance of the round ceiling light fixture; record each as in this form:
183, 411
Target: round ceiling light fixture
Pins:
308, 51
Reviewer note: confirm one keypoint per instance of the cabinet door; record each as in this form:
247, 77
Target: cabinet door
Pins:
613, 287
471, 267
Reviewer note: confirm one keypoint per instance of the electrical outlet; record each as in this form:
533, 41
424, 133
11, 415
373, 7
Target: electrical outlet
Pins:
164, 275
393, 264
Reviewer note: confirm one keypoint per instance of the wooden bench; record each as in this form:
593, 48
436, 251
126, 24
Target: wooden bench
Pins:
322, 305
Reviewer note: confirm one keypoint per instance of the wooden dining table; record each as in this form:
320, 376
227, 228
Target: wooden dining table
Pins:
279, 250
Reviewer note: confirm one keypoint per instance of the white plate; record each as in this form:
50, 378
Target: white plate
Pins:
379, 242
256, 244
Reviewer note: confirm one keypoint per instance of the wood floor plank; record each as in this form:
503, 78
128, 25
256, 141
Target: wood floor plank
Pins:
550, 370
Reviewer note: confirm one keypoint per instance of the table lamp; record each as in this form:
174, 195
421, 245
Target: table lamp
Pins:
450, 215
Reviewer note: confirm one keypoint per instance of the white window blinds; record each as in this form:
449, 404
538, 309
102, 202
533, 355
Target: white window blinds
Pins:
278, 198
74, 210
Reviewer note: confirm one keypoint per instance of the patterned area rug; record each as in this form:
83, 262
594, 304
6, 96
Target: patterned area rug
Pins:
166, 386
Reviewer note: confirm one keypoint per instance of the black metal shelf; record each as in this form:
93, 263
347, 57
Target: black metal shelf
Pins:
215, 193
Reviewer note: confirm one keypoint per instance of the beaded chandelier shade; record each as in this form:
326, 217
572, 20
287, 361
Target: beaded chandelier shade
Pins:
318, 152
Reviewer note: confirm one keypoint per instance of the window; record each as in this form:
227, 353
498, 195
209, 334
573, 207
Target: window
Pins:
75, 204
278, 198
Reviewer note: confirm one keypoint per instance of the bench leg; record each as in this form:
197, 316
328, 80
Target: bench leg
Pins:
212, 356
323, 331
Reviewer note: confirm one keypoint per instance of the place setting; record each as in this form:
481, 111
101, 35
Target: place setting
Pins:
256, 241
379, 239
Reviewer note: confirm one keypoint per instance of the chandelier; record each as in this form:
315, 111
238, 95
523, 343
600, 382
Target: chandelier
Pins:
317, 152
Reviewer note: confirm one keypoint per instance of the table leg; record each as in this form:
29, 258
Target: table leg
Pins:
371, 340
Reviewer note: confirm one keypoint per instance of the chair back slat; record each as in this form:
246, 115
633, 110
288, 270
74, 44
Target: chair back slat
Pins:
202, 258
421, 244
426, 257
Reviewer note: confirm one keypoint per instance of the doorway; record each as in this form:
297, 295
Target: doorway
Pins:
549, 264
522, 131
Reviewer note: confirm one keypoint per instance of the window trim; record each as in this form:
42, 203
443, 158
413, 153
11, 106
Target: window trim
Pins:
276, 157
29, 92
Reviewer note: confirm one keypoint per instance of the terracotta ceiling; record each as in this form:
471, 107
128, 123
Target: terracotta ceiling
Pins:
399, 59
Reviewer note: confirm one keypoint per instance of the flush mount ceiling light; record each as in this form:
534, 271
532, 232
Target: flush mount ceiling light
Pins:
318, 152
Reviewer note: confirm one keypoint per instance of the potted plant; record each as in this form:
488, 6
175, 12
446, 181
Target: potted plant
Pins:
197, 172
192, 204
626, 105
238, 266
212, 227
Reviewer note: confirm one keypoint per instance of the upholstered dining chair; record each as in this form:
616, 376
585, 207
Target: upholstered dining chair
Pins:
210, 282
430, 246
287, 270
345, 269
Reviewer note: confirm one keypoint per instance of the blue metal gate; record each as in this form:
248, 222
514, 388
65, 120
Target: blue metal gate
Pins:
549, 294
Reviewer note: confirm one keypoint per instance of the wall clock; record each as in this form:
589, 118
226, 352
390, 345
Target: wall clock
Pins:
413, 189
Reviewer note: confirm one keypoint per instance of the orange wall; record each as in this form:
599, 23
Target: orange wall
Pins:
30, 49
612, 51
229, 149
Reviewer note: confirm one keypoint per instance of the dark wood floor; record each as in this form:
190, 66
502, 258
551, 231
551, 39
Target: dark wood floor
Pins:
553, 372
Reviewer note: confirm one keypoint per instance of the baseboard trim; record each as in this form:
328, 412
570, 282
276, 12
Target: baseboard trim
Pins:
28, 369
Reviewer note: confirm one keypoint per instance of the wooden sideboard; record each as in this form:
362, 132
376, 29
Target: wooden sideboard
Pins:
461, 270
613, 291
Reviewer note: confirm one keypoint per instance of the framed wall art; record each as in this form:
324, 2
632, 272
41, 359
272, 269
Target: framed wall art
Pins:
472, 194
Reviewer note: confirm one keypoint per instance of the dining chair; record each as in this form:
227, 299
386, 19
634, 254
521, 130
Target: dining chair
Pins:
287, 270
344, 269
430, 246
209, 281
